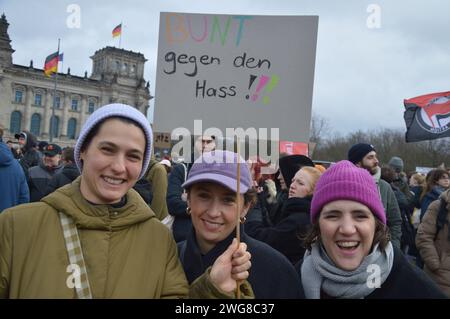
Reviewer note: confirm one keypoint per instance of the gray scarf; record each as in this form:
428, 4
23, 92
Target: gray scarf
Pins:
320, 273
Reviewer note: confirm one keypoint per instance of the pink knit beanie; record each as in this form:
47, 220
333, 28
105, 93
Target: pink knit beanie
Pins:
344, 180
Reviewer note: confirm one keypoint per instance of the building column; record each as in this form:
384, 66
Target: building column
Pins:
65, 117
84, 109
27, 116
47, 114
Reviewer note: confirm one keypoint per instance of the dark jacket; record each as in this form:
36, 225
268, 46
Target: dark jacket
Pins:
13, 184
405, 281
175, 204
429, 197
38, 179
271, 275
284, 236
417, 190
408, 233
68, 174
30, 156
276, 210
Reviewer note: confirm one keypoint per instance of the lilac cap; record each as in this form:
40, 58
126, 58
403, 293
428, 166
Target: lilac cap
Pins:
220, 167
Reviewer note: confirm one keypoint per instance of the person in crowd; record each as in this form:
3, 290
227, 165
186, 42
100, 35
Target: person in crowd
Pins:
349, 252
30, 155
416, 179
287, 236
176, 195
41, 147
96, 237
264, 184
167, 165
13, 149
400, 179
407, 242
156, 176
68, 174
416, 185
436, 183
433, 241
39, 176
212, 203
13, 184
289, 166
364, 155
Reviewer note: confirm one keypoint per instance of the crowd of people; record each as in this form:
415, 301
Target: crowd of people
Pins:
106, 219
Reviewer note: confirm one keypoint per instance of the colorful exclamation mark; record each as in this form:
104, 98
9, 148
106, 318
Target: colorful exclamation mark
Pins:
262, 82
273, 83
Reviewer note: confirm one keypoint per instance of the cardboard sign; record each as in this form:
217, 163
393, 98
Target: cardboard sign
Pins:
236, 72
161, 140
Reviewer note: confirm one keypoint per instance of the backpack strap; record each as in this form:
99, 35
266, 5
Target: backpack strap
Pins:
441, 219
75, 254
182, 250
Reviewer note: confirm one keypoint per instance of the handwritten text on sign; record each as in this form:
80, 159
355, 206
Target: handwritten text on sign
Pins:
236, 71
213, 30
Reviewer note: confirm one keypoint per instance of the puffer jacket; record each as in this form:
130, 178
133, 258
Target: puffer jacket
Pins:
128, 253
436, 253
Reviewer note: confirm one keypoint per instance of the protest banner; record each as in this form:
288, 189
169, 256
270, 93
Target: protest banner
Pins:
231, 71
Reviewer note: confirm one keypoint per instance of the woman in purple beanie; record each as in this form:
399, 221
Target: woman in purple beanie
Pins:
349, 253
211, 187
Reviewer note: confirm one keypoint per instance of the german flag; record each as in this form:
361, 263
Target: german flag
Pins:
51, 64
117, 31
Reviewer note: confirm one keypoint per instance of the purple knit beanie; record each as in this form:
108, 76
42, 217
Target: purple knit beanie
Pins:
116, 110
344, 180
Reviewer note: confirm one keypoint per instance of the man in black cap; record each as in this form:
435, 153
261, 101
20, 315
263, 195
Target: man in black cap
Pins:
39, 176
364, 155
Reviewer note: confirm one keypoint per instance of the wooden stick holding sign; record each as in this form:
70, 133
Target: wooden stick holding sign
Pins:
238, 224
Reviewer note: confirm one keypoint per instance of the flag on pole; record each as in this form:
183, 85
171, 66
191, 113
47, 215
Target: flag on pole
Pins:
60, 57
427, 117
51, 64
117, 31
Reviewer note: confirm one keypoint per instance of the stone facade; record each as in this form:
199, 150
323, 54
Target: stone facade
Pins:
27, 95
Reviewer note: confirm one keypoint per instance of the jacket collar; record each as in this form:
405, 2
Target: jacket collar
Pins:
69, 200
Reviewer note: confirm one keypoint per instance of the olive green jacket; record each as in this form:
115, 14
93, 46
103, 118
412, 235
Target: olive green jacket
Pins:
157, 177
128, 253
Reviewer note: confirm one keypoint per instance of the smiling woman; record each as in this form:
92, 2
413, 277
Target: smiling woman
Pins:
212, 188
99, 225
349, 252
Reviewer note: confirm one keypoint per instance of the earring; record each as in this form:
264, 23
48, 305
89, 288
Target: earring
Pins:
188, 210
242, 219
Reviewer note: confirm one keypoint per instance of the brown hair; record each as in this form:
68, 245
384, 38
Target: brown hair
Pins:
67, 154
432, 179
381, 236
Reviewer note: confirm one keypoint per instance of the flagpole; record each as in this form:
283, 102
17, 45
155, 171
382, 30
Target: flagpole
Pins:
52, 120
238, 212
121, 31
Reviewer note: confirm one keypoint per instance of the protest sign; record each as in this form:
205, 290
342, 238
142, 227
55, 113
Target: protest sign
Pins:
228, 71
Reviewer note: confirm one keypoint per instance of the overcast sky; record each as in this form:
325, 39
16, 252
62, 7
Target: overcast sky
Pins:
362, 74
